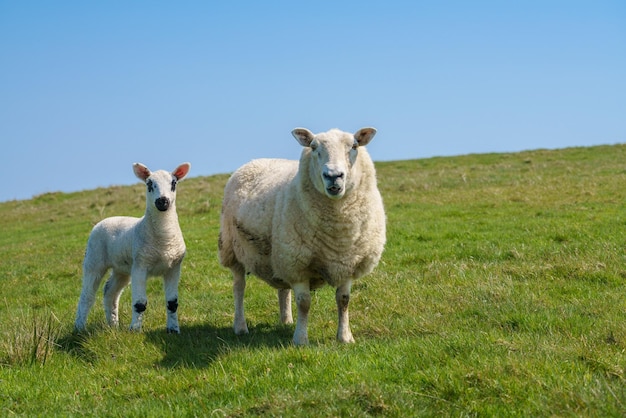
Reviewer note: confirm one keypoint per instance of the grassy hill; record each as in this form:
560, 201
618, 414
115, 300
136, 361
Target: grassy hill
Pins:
501, 292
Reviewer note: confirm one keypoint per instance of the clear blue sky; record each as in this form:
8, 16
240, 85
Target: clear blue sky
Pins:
87, 88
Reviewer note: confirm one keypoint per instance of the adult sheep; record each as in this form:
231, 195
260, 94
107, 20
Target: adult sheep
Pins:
300, 225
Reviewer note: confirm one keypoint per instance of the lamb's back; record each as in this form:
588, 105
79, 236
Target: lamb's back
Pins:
111, 243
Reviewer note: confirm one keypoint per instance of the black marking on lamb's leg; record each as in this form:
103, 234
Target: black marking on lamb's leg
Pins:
172, 305
140, 307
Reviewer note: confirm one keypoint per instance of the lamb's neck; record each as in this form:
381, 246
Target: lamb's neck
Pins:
163, 225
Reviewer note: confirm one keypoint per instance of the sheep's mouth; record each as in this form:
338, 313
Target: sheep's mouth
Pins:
334, 190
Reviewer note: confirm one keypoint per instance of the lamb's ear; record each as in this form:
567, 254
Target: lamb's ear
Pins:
303, 136
364, 135
141, 171
181, 171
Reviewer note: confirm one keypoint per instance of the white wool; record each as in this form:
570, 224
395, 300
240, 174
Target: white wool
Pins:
300, 225
134, 249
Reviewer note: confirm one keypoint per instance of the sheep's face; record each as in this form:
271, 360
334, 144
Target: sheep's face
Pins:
161, 185
333, 155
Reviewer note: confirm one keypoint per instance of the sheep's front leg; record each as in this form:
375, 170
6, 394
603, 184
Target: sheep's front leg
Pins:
239, 288
342, 296
284, 303
170, 284
302, 293
139, 276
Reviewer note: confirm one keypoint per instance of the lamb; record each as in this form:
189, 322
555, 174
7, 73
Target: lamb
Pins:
137, 248
301, 225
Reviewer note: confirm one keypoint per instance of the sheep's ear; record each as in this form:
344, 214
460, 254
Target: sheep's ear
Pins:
303, 136
141, 171
181, 171
364, 135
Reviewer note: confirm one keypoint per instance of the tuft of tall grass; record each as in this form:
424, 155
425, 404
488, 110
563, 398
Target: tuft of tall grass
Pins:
30, 340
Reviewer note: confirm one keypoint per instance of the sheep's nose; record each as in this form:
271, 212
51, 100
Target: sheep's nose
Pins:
333, 176
162, 203
334, 181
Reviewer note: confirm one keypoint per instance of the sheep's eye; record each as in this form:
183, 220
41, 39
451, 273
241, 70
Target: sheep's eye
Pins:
174, 185
150, 186
355, 145
313, 146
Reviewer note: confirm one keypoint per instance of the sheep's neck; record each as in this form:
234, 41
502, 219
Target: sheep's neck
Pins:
312, 199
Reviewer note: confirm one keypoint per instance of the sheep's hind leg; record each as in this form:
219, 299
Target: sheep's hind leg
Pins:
112, 291
91, 282
170, 283
239, 288
302, 293
284, 303
342, 296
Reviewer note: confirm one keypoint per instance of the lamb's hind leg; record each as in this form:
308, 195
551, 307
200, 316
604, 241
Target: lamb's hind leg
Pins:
342, 296
112, 291
239, 288
170, 283
91, 282
284, 303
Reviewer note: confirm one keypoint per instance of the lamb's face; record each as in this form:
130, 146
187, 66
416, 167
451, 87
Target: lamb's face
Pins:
333, 156
161, 190
161, 185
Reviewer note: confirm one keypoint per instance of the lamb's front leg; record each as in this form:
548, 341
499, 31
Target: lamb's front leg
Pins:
342, 296
170, 284
139, 276
302, 293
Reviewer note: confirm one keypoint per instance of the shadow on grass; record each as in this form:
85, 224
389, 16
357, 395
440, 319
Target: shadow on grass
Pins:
196, 346
77, 344
200, 345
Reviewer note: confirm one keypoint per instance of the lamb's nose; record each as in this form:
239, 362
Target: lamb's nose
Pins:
162, 203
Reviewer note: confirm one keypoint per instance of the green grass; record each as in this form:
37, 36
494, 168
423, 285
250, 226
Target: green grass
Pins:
501, 293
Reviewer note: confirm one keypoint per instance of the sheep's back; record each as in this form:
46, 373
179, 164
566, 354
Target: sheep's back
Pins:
247, 210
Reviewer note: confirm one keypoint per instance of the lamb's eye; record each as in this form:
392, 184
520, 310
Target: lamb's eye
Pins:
355, 145
313, 146
150, 186
174, 185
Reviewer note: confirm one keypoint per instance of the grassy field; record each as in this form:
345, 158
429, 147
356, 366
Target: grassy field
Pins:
501, 293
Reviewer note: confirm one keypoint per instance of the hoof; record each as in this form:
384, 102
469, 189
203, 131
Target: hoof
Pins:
240, 328
241, 331
301, 342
